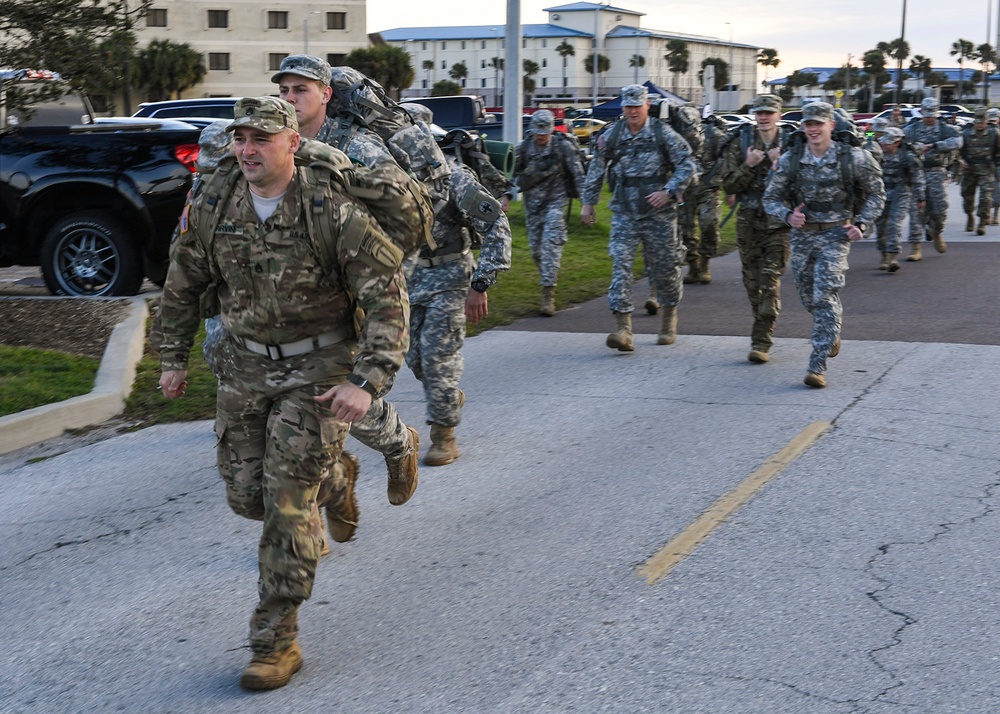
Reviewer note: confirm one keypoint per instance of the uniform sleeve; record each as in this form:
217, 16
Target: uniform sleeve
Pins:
737, 175
574, 167
918, 182
869, 178
591, 194
495, 253
949, 143
188, 276
685, 169
777, 201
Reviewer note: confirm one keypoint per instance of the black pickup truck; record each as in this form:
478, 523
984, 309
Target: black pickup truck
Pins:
93, 204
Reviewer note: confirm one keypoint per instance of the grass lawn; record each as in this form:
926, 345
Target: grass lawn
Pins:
30, 378
585, 274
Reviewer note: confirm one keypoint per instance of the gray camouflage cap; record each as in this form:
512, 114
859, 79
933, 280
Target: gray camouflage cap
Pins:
418, 112
543, 122
879, 124
891, 135
269, 114
993, 114
817, 111
304, 66
766, 103
634, 95
214, 144
979, 113
929, 107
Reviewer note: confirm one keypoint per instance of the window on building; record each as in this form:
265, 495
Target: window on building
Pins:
444, 64
482, 45
482, 64
444, 45
482, 82
423, 45
524, 44
336, 20
218, 18
545, 43
545, 82
463, 83
463, 44
545, 62
218, 61
274, 60
277, 20
335, 59
156, 18
565, 81
423, 84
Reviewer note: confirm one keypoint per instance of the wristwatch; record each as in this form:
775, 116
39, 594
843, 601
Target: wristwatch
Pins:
861, 226
363, 383
480, 285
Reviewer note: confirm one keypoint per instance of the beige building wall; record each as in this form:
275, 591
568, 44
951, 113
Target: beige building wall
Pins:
251, 45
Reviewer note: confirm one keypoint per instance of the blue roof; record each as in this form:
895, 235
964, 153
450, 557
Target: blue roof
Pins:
952, 73
629, 31
590, 7
476, 32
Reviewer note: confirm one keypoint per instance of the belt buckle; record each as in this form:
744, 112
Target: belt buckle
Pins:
274, 352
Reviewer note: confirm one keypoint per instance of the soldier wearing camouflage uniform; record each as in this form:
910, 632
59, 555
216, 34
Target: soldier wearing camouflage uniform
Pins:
980, 154
702, 205
935, 142
439, 281
544, 164
813, 194
762, 240
903, 178
650, 167
993, 119
295, 372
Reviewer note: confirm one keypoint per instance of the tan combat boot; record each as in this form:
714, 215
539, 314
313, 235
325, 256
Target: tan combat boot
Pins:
980, 231
970, 222
758, 356
444, 448
403, 471
271, 671
694, 271
621, 339
668, 326
342, 517
995, 220
652, 304
835, 350
941, 247
893, 262
815, 380
884, 265
915, 253
705, 276
548, 300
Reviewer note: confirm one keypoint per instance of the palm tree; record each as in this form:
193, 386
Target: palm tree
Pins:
459, 72
636, 61
165, 67
986, 56
920, 67
603, 65
768, 58
965, 50
428, 67
564, 50
721, 72
873, 62
677, 58
899, 50
497, 64
388, 65
530, 68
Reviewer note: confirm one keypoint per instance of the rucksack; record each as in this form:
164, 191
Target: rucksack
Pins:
686, 121
554, 166
613, 138
471, 150
796, 149
402, 207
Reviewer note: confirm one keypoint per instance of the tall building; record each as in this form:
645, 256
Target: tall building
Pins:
243, 41
635, 54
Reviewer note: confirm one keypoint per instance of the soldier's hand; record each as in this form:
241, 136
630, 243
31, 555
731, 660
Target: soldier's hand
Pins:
476, 306
659, 199
587, 215
730, 200
921, 205
797, 219
505, 203
347, 402
173, 382
853, 232
774, 154
754, 156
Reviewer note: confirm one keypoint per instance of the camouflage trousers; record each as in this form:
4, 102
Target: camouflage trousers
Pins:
819, 260
984, 181
764, 256
701, 205
380, 429
279, 454
889, 225
935, 211
547, 235
437, 333
663, 251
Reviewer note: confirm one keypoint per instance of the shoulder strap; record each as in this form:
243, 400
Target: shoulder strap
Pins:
216, 190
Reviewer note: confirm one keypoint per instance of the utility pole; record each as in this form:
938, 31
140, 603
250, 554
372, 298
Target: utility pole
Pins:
899, 58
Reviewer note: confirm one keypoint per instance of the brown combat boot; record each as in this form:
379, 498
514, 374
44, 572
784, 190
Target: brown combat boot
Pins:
444, 448
403, 471
705, 276
815, 380
652, 304
835, 350
548, 300
884, 265
893, 262
271, 671
621, 339
941, 247
980, 231
915, 253
694, 271
995, 220
668, 326
970, 222
342, 517
758, 356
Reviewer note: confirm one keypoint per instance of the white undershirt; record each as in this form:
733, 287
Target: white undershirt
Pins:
265, 207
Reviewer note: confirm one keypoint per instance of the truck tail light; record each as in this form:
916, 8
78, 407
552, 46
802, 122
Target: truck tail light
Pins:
187, 154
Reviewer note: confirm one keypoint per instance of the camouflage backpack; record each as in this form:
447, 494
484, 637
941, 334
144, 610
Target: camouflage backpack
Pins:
552, 165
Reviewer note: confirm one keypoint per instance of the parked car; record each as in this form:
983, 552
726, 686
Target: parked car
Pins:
199, 112
585, 128
735, 119
909, 113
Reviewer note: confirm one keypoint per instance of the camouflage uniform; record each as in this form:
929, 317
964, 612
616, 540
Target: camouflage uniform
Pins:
762, 240
439, 283
552, 165
903, 178
941, 141
701, 203
981, 154
820, 248
637, 170
279, 450
993, 119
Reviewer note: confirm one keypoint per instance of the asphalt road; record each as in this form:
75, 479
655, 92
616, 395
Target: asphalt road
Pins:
671, 530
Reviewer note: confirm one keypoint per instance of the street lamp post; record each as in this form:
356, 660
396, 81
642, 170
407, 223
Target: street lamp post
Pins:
732, 70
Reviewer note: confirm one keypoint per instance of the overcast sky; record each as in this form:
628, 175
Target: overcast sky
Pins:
804, 33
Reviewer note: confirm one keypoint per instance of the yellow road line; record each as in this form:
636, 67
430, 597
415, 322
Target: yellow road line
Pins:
670, 555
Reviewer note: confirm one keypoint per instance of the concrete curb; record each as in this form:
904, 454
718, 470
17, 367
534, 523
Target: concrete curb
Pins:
107, 399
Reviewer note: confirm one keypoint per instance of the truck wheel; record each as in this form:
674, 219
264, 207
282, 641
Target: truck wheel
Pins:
89, 254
